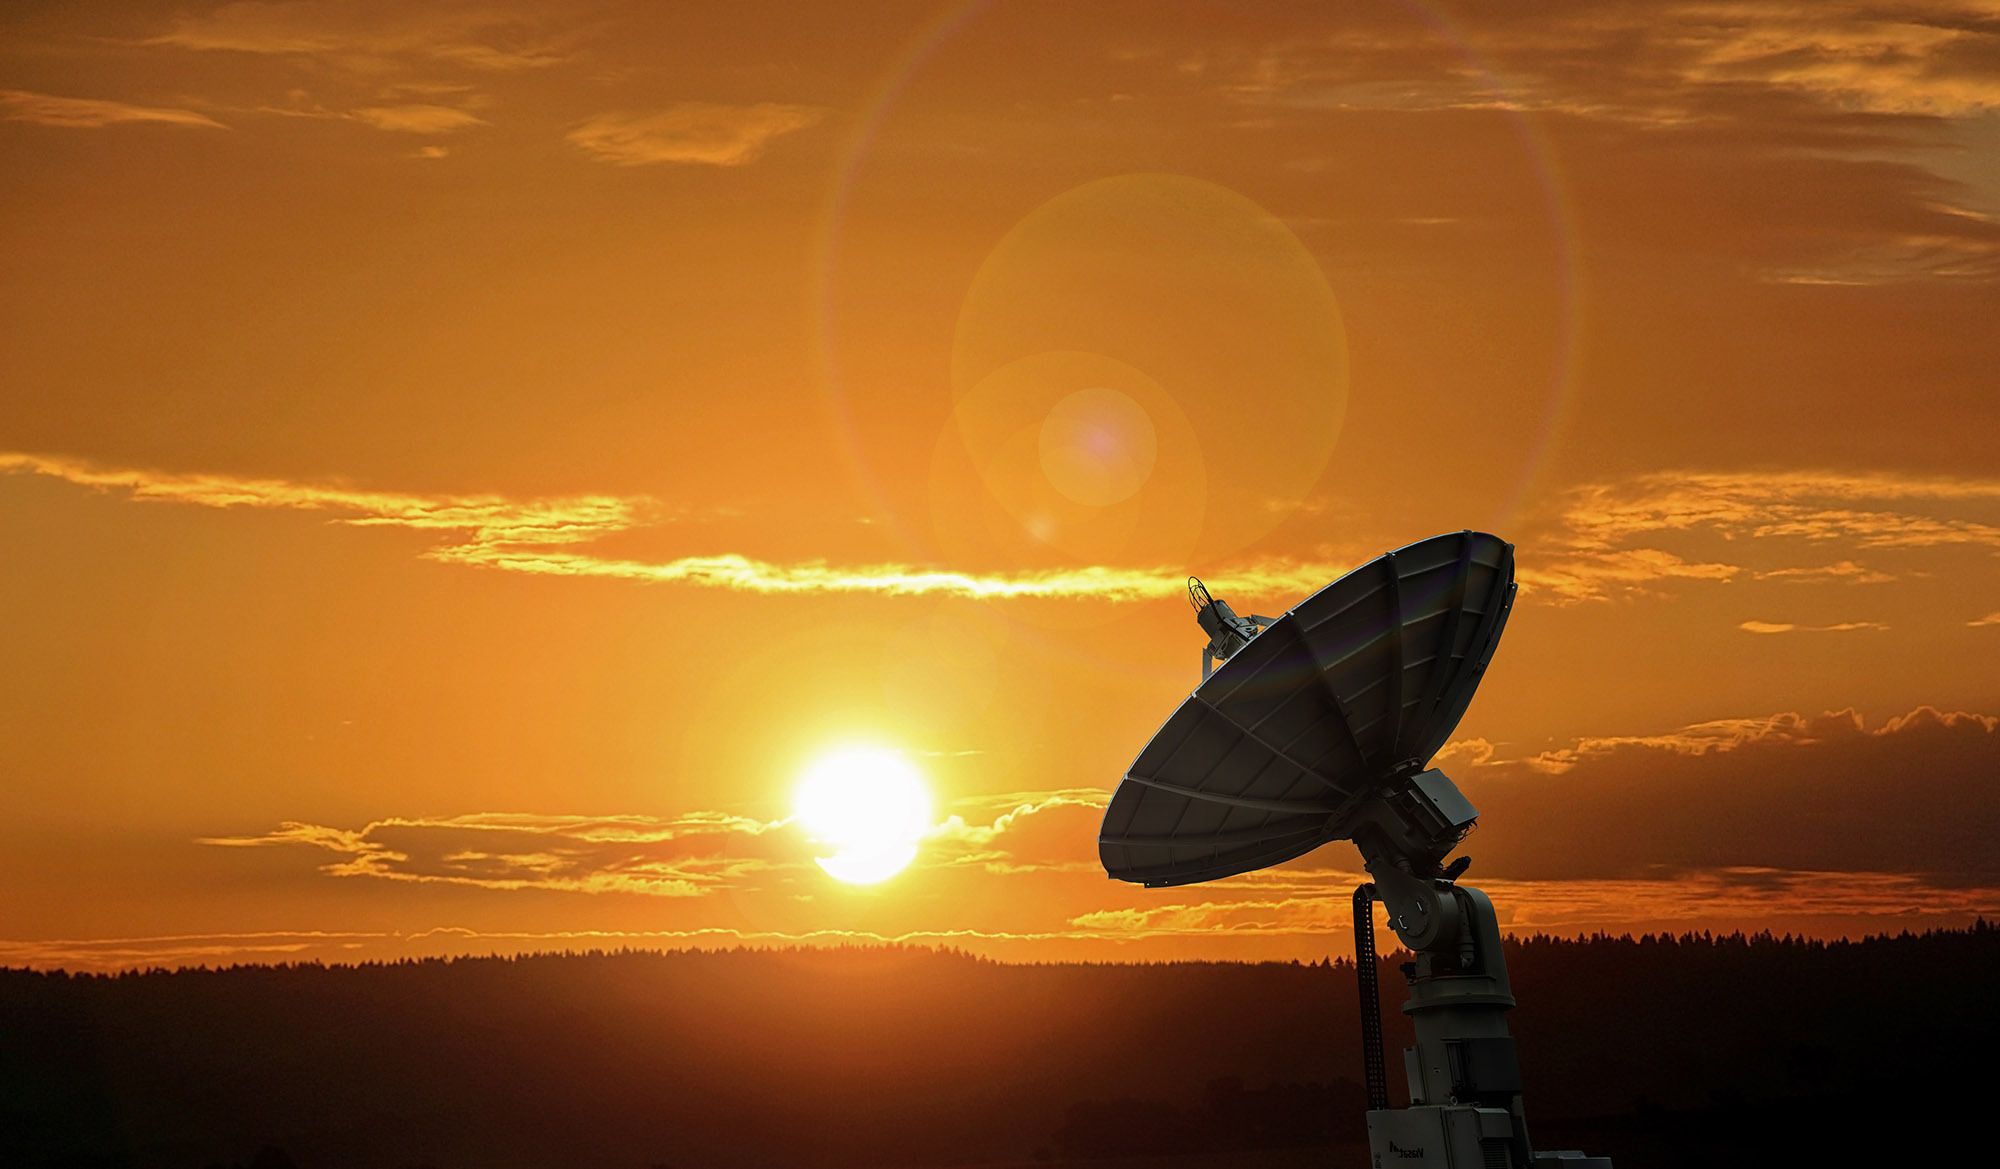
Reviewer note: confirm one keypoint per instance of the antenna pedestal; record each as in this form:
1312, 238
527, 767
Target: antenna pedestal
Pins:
1464, 1079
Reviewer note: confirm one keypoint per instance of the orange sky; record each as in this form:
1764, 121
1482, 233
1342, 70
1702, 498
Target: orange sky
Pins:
460, 463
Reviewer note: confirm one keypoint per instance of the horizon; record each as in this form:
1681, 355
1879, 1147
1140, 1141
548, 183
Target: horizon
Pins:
857, 948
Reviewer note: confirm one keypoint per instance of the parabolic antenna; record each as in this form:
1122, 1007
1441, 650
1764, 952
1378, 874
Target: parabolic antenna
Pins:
1277, 751
1318, 726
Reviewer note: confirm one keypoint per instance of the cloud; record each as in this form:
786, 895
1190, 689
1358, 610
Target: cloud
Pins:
171, 950
1846, 570
1990, 619
1811, 505
1601, 544
1289, 915
1684, 900
1653, 64
691, 855
1578, 574
1691, 101
1787, 627
418, 119
427, 117
1018, 832
692, 132
1471, 752
547, 537
747, 574
1012, 810
1816, 793
1934, 59
1695, 739
1604, 536
485, 521
85, 113
484, 38
1901, 257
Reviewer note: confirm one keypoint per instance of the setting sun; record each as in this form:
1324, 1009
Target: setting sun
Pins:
869, 807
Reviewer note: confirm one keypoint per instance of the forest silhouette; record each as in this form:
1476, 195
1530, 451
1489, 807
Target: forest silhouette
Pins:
1658, 1051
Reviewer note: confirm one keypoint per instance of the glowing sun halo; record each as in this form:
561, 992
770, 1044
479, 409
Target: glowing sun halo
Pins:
869, 807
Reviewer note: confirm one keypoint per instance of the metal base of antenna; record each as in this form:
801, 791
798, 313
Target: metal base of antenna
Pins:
1464, 1080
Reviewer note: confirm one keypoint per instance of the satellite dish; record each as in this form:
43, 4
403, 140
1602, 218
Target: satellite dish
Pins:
1278, 750
1319, 726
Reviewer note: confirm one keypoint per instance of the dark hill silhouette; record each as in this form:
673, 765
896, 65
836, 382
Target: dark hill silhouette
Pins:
1660, 1051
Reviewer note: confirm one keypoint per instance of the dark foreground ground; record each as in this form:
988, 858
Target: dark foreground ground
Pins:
1659, 1052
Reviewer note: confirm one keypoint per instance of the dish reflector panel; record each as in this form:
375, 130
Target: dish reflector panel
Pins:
1352, 690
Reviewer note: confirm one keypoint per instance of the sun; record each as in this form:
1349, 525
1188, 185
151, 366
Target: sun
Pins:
868, 807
